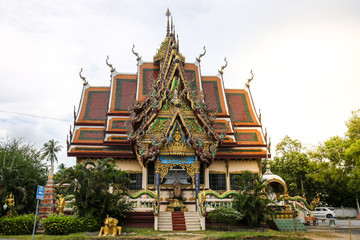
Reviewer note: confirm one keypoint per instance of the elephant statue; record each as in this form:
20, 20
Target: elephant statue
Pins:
110, 227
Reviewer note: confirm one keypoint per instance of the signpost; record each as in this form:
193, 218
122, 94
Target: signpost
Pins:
39, 196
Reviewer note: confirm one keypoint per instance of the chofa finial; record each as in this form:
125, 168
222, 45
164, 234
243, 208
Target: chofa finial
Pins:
269, 145
83, 78
260, 116
221, 71
135, 53
249, 80
201, 55
112, 69
266, 137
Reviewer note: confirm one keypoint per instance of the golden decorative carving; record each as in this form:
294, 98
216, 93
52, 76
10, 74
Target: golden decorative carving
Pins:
157, 166
193, 126
177, 146
197, 167
165, 169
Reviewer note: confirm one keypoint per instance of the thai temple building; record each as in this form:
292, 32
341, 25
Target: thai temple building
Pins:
176, 132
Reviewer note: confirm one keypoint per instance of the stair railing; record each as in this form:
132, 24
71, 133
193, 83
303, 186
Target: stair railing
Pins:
156, 210
201, 208
204, 204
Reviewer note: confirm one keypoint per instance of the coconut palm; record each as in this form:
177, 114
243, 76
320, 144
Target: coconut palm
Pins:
49, 151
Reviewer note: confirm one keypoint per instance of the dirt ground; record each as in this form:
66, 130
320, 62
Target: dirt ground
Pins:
332, 234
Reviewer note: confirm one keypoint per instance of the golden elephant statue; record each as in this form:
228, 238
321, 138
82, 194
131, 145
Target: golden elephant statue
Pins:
110, 227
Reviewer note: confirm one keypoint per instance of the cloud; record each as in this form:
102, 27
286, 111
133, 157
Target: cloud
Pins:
304, 56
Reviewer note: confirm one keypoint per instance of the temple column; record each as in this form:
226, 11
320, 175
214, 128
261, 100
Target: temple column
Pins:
206, 173
197, 177
158, 177
144, 177
227, 175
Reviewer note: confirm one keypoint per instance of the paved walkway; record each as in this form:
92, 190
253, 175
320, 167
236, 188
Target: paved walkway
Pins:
340, 223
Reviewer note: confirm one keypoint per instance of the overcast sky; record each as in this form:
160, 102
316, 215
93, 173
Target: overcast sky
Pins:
305, 56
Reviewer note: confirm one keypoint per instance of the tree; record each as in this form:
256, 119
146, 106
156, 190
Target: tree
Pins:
49, 151
294, 165
21, 170
90, 182
60, 173
252, 202
339, 161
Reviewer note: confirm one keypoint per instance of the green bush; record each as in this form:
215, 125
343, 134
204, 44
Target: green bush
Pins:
63, 225
225, 216
17, 225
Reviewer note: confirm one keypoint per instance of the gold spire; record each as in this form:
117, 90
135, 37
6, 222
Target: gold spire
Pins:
172, 25
168, 14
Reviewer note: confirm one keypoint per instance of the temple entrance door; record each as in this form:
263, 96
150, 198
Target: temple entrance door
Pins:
177, 180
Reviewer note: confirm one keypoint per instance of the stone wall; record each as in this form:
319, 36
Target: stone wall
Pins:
346, 212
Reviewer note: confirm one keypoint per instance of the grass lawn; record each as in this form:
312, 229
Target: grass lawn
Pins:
149, 233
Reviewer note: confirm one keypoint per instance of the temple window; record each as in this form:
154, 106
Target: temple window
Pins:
234, 186
135, 181
217, 181
151, 173
235, 181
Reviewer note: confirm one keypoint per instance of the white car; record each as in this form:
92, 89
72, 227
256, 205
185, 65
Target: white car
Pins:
324, 212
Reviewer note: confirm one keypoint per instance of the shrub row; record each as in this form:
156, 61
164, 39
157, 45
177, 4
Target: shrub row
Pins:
63, 225
17, 225
225, 216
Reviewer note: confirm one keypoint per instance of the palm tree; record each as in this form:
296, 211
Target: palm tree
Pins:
252, 201
49, 151
89, 183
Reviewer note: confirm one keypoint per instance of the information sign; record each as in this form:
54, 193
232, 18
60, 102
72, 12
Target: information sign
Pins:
40, 192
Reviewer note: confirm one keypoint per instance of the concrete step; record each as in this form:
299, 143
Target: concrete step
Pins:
179, 221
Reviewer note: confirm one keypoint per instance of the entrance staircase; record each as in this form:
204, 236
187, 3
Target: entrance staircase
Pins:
179, 221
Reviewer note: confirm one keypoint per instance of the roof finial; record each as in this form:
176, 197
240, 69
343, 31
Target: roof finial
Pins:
266, 139
201, 55
249, 80
221, 71
83, 78
260, 116
135, 53
269, 145
178, 42
172, 25
168, 14
112, 69
74, 114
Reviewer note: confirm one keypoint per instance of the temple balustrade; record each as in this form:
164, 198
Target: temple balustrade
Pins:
142, 205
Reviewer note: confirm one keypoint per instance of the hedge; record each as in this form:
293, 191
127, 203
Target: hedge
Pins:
225, 216
63, 225
17, 225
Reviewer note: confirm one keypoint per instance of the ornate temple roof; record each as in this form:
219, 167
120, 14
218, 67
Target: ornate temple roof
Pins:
125, 118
